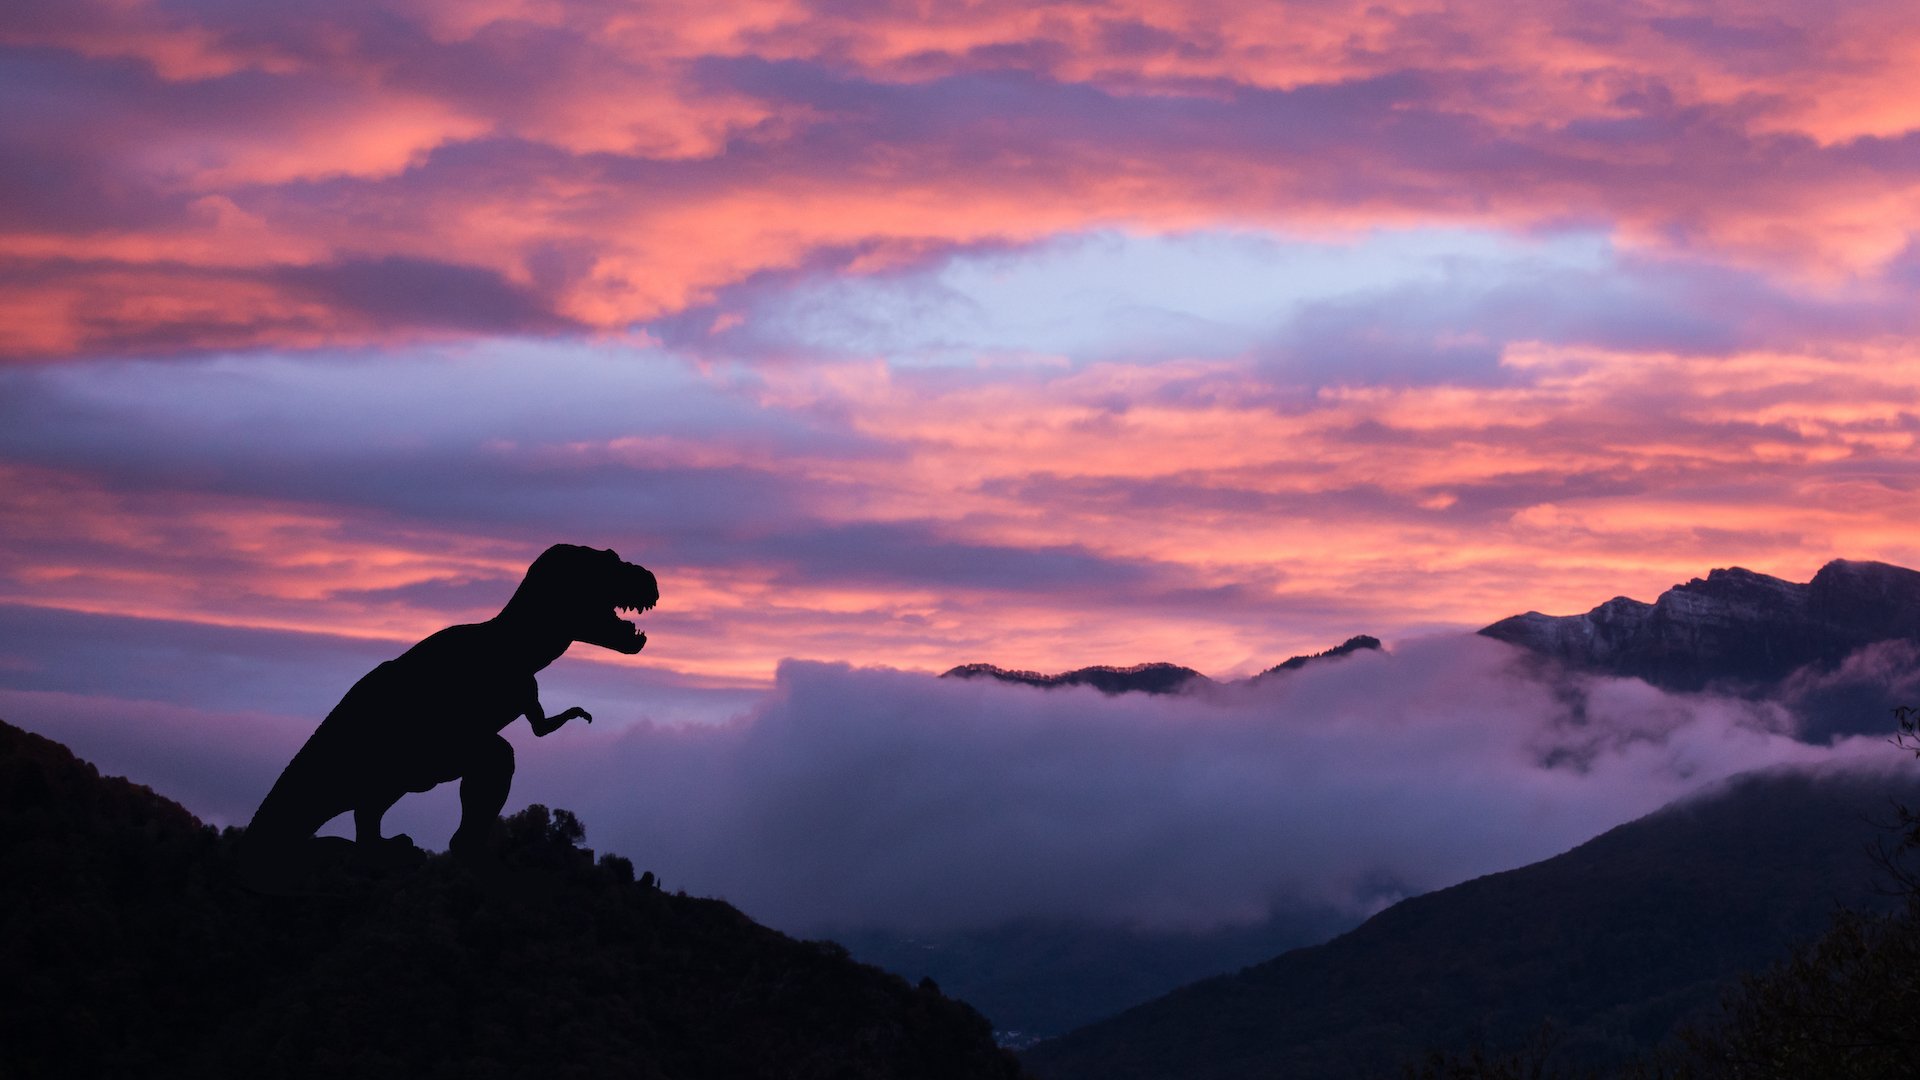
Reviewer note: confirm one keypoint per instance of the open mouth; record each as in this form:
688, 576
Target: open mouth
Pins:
621, 634
634, 591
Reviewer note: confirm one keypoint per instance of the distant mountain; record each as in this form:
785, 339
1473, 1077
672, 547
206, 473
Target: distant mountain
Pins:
1036, 978
1735, 630
1157, 678
1616, 942
1356, 643
1041, 978
128, 951
1141, 678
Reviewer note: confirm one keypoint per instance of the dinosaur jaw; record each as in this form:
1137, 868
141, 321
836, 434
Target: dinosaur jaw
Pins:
637, 591
617, 633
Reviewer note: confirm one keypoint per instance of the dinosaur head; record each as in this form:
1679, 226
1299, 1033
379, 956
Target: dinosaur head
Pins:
580, 592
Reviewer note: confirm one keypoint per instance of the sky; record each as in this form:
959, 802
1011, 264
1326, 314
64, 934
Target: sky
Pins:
899, 336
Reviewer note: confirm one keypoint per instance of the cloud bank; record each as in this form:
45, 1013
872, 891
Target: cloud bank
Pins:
873, 797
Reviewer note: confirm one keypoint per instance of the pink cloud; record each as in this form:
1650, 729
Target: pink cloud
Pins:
1046, 517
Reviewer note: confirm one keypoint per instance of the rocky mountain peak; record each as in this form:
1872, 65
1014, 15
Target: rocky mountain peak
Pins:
1735, 628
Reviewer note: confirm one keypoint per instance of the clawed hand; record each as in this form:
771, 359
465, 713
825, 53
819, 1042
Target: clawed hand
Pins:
554, 723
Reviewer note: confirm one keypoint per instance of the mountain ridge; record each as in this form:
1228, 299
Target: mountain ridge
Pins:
1734, 630
1157, 677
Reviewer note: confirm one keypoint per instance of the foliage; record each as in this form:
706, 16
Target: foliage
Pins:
1897, 862
1842, 1007
1534, 1062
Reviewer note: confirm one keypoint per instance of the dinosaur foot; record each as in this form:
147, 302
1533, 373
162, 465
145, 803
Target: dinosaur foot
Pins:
474, 843
388, 853
274, 877
307, 867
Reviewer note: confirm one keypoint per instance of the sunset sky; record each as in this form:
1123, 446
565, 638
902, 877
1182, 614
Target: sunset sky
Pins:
908, 335
897, 335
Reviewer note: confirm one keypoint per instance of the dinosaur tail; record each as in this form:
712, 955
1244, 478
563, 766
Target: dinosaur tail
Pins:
273, 852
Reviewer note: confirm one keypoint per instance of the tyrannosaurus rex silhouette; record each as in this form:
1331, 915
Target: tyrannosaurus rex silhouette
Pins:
435, 713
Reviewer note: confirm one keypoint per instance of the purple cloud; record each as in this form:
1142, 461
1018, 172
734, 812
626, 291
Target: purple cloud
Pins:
408, 293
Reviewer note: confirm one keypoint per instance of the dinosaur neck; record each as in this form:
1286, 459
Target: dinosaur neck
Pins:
531, 633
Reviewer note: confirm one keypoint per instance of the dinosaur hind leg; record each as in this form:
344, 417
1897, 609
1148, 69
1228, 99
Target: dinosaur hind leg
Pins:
276, 853
366, 817
483, 793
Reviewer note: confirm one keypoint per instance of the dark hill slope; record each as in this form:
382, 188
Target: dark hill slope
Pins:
1615, 942
126, 951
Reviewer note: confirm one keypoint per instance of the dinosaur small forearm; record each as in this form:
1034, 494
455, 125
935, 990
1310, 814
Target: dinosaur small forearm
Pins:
543, 727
